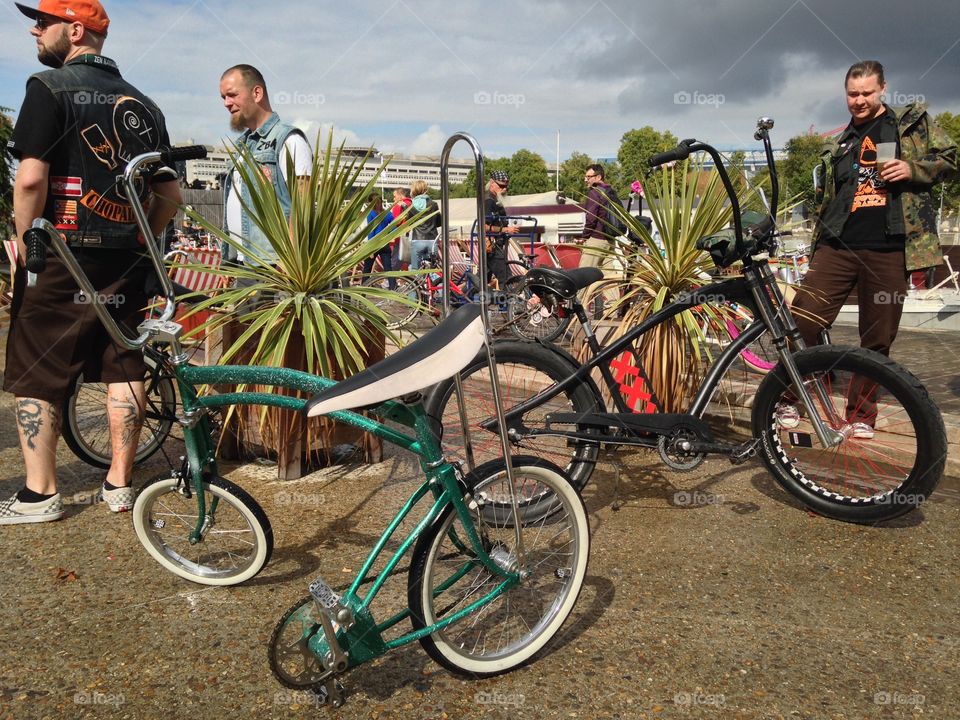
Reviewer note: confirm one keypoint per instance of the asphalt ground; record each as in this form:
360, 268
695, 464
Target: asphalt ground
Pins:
709, 594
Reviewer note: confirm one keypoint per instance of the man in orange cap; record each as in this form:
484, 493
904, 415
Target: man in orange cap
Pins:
79, 124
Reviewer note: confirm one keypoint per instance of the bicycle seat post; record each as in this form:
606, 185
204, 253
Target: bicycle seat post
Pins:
484, 314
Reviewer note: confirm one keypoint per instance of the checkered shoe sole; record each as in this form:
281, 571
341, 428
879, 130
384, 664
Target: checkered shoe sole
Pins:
14, 512
119, 500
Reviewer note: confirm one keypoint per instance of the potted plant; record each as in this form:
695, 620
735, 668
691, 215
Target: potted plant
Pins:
300, 312
686, 203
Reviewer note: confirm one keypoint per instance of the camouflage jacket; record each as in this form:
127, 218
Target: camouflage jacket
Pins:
932, 156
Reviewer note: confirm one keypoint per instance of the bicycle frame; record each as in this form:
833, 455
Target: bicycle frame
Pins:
757, 288
442, 479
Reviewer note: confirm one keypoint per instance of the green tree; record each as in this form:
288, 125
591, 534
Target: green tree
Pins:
950, 190
638, 146
528, 173
6, 176
572, 171
795, 172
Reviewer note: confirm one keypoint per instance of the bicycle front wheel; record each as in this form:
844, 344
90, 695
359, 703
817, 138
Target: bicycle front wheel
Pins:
446, 577
524, 369
86, 429
894, 445
236, 541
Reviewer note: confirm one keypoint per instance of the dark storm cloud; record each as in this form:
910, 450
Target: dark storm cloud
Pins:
744, 50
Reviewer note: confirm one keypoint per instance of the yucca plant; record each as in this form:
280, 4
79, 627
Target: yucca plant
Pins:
301, 309
673, 353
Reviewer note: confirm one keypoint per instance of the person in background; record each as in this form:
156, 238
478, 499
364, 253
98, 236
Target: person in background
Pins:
401, 203
497, 229
385, 253
271, 142
423, 238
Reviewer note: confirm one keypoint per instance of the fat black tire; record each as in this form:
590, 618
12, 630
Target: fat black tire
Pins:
861, 480
524, 368
523, 318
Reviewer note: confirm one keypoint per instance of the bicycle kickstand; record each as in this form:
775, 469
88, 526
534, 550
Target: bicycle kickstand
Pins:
610, 455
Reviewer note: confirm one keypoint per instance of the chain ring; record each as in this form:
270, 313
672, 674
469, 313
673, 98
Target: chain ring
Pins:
672, 456
281, 650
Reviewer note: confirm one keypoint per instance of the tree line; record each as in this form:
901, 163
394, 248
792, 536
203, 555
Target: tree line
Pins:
528, 170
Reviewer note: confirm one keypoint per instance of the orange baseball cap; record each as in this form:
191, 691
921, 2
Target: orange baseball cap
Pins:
89, 13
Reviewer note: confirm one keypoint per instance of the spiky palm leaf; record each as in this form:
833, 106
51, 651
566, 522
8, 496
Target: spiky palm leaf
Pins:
303, 295
673, 353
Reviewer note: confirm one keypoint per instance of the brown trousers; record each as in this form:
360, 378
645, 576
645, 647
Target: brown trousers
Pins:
881, 282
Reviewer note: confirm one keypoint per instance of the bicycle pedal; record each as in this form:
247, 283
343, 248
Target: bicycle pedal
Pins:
330, 691
324, 594
744, 451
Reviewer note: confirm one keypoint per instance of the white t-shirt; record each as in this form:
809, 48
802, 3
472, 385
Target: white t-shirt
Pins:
295, 146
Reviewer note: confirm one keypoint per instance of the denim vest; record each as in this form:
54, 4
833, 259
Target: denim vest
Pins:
107, 123
265, 145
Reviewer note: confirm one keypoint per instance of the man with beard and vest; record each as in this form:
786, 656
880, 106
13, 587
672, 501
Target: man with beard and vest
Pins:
80, 123
271, 143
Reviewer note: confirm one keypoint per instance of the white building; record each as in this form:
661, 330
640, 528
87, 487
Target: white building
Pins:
403, 171
209, 170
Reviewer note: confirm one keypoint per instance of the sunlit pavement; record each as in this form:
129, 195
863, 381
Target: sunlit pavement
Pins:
709, 594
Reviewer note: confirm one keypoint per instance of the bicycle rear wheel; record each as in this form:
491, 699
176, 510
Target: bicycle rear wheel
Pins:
894, 449
761, 355
524, 369
86, 429
236, 542
446, 576
399, 313
531, 319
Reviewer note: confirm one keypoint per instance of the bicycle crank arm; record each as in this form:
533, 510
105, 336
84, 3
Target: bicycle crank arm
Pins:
331, 610
737, 453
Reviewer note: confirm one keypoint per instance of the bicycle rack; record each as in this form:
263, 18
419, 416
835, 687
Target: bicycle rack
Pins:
484, 315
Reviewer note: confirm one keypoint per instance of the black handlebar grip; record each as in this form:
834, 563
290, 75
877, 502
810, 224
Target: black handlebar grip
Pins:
178, 154
35, 240
680, 152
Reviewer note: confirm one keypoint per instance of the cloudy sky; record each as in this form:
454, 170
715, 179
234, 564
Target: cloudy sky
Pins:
405, 75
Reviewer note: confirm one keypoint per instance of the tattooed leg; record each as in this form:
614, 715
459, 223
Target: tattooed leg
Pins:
38, 423
125, 405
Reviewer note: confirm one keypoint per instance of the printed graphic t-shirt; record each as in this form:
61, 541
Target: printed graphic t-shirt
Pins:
866, 226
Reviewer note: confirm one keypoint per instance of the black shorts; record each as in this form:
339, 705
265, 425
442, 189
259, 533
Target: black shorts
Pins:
55, 334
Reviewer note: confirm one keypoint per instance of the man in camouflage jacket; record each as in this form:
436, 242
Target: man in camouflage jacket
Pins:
932, 156
875, 223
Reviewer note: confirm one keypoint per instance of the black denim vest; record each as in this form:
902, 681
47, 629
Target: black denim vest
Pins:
107, 123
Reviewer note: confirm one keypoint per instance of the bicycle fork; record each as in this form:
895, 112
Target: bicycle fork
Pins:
776, 316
